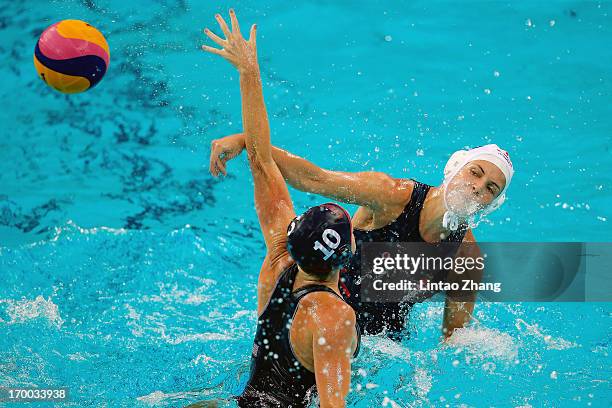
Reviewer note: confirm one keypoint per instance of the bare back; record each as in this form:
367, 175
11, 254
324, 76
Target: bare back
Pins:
307, 331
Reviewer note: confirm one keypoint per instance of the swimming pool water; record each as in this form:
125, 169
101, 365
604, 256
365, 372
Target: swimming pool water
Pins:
128, 273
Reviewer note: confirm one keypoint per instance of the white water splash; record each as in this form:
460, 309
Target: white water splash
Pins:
21, 311
483, 343
204, 359
185, 338
551, 342
383, 345
170, 293
81, 356
423, 381
388, 402
153, 398
159, 397
72, 226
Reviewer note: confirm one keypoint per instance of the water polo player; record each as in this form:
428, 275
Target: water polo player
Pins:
306, 334
399, 210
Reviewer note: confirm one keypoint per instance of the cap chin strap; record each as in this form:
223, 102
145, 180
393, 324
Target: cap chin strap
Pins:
450, 221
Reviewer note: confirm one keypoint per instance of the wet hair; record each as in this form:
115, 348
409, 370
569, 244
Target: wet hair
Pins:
319, 240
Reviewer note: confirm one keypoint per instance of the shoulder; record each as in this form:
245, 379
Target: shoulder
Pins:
398, 191
328, 310
405, 187
331, 323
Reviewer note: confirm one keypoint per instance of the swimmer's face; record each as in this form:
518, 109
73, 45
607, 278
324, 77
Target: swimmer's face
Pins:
474, 187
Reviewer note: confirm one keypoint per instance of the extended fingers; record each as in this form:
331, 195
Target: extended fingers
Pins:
215, 37
234, 19
215, 51
223, 25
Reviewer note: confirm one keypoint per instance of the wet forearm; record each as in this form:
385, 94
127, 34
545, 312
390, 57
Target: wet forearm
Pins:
456, 315
296, 170
255, 117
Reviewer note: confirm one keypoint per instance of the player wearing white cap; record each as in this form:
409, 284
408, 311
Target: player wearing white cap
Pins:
399, 210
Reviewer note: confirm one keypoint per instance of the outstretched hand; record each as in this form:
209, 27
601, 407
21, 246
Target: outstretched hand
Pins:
234, 48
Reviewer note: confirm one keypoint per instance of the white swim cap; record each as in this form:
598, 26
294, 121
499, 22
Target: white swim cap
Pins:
491, 153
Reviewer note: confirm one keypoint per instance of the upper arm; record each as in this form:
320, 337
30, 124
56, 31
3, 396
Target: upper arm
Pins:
371, 189
332, 352
273, 206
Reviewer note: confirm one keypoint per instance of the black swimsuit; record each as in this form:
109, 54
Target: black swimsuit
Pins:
372, 317
277, 378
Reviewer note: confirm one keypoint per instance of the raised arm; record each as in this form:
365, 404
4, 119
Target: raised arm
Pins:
374, 190
272, 202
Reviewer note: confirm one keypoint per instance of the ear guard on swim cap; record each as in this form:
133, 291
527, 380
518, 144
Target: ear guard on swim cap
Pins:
320, 239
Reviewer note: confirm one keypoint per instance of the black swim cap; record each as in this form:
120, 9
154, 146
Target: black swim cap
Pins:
320, 239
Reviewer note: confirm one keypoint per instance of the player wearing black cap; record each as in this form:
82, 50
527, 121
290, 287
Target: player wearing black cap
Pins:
306, 334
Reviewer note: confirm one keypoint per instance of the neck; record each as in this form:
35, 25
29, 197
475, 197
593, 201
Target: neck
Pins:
303, 278
432, 215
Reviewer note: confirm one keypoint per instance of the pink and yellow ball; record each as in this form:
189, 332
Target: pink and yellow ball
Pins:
71, 56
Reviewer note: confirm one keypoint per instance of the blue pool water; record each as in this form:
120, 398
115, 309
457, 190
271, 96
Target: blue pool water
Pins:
128, 273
